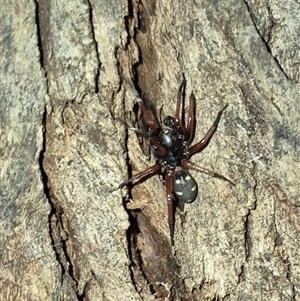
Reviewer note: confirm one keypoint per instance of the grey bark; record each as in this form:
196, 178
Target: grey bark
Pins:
69, 75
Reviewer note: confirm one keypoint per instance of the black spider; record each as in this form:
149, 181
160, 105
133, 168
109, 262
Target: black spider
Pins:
170, 146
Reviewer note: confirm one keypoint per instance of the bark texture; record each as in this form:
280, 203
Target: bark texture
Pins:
70, 72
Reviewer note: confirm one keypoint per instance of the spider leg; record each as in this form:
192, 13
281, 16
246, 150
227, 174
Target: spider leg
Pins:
204, 142
140, 132
158, 150
170, 203
180, 93
190, 129
148, 172
190, 165
154, 129
148, 116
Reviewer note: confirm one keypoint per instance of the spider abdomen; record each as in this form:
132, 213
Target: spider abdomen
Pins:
184, 186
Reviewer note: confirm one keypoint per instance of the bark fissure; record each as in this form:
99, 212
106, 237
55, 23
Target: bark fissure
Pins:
57, 234
38, 29
263, 39
91, 19
153, 267
132, 229
47, 191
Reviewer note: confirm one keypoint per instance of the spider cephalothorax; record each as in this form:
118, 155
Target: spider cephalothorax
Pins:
171, 148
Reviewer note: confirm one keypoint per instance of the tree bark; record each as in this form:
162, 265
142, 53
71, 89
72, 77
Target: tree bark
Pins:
70, 74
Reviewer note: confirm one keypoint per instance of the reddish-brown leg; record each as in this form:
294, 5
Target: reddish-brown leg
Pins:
190, 128
170, 203
190, 165
150, 120
148, 172
160, 151
203, 143
178, 111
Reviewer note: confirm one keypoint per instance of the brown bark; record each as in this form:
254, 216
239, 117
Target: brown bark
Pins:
70, 71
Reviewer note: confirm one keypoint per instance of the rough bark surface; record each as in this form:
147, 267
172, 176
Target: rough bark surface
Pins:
69, 75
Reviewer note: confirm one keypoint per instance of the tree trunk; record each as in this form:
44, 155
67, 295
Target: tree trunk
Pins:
70, 74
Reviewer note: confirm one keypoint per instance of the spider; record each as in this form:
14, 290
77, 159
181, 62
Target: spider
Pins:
171, 148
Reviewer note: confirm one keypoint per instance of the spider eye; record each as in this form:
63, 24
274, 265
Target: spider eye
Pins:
169, 121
